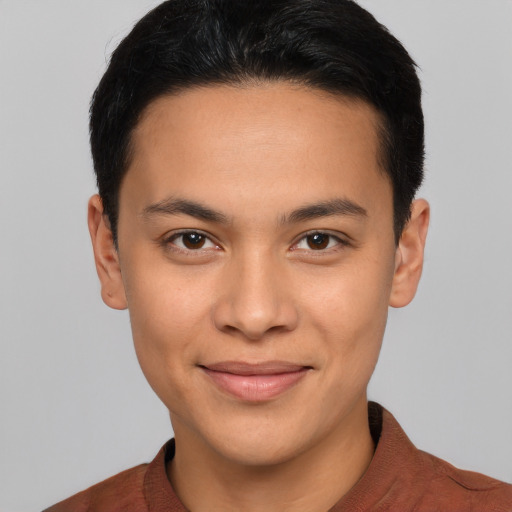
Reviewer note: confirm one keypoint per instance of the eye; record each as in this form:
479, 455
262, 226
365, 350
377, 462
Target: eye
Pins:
191, 241
318, 241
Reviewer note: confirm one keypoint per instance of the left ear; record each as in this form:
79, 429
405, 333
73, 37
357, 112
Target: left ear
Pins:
106, 256
409, 255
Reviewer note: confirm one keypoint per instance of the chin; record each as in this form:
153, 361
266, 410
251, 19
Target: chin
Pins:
264, 443
258, 452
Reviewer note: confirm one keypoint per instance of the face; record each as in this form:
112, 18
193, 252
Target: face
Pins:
257, 259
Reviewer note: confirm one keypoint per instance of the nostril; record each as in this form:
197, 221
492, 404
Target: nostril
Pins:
255, 309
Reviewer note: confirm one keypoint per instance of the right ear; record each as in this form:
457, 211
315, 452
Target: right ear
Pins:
106, 256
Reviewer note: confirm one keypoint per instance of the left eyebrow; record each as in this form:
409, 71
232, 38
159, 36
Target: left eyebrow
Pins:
330, 208
176, 206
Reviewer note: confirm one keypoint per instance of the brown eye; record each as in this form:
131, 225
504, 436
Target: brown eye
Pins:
318, 241
190, 243
193, 240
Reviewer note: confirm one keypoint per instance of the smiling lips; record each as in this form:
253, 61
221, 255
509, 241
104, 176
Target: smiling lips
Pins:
255, 382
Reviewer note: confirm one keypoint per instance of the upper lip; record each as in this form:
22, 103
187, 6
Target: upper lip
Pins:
262, 368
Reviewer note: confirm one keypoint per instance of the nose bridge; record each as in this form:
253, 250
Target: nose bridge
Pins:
256, 300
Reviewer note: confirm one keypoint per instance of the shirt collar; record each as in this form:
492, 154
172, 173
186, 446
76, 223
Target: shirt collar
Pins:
395, 465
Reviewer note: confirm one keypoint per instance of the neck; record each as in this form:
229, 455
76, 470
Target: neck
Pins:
313, 481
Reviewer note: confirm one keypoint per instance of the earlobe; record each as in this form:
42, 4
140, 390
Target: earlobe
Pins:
409, 255
106, 256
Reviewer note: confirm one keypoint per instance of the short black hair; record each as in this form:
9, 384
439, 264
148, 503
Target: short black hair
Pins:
332, 45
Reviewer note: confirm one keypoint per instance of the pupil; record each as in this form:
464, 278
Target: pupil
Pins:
193, 240
318, 241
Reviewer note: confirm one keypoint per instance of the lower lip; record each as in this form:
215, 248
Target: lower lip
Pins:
255, 388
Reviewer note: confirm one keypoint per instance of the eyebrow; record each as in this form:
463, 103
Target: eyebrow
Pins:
325, 209
173, 206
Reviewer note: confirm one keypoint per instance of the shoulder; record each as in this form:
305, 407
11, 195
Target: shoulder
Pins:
137, 489
122, 492
401, 477
456, 487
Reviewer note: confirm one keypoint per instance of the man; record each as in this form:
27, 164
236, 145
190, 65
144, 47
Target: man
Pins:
257, 165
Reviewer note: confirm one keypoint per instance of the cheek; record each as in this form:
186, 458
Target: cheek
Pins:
352, 324
164, 301
351, 312
168, 313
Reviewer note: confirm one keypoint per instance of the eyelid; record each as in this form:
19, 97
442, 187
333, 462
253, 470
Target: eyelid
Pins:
167, 241
343, 240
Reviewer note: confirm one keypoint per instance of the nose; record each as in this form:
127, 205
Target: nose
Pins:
256, 299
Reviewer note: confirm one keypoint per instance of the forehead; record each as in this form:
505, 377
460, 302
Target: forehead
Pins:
273, 140
261, 110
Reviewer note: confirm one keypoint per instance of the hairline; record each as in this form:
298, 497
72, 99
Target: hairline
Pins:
382, 132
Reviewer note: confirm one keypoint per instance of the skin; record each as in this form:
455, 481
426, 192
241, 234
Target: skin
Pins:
256, 290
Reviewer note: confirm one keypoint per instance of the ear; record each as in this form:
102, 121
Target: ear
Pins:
106, 256
409, 255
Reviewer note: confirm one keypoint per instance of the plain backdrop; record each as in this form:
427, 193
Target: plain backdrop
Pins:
74, 406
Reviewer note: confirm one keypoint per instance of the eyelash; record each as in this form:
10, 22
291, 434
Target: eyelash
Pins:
340, 242
168, 242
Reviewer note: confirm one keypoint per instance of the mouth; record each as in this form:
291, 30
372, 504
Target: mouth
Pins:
255, 382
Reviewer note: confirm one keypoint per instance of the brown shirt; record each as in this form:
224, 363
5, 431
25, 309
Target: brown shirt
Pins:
399, 478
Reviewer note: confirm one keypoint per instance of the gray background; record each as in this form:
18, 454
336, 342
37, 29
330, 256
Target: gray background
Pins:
74, 406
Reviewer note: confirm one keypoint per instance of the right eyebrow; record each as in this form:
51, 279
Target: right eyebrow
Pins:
176, 206
336, 206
